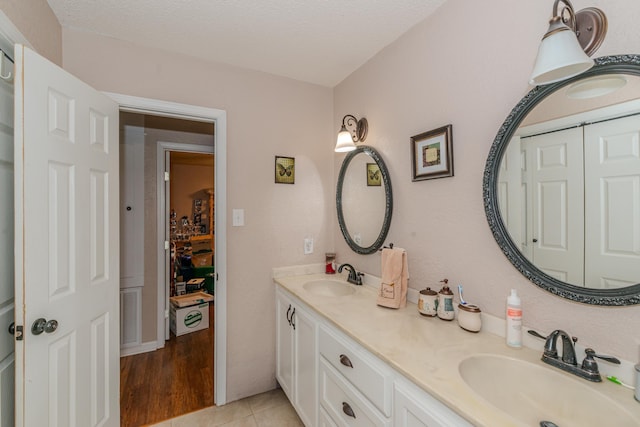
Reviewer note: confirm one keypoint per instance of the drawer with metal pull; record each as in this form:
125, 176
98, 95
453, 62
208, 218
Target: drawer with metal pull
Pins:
366, 373
344, 403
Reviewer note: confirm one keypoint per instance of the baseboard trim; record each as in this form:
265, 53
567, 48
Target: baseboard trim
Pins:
142, 348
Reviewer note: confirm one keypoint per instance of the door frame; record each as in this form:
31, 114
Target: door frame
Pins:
163, 226
141, 105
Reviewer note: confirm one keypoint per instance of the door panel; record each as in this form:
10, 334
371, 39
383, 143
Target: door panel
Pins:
612, 162
67, 261
557, 203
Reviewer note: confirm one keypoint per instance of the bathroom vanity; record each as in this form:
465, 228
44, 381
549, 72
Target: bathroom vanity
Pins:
344, 361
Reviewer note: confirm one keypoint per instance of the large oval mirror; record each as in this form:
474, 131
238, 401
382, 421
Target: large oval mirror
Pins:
364, 200
562, 185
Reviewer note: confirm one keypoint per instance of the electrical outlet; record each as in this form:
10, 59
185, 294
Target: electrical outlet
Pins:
308, 245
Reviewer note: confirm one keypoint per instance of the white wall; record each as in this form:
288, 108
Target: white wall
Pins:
266, 116
37, 22
469, 65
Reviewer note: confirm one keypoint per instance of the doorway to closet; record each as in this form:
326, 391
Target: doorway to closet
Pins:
167, 201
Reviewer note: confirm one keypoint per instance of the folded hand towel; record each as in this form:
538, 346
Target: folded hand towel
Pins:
395, 276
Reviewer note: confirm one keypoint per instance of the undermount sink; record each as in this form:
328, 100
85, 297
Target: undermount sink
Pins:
329, 288
531, 393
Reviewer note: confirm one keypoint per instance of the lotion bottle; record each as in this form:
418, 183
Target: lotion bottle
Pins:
514, 320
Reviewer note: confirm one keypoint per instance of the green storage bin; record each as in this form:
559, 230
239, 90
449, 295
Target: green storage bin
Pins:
206, 272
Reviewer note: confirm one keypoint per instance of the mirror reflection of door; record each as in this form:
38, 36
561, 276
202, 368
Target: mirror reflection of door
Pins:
571, 201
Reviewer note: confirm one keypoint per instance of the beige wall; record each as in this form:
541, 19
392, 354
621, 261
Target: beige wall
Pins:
469, 65
189, 182
37, 22
266, 116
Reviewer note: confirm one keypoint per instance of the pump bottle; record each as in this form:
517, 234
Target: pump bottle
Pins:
514, 320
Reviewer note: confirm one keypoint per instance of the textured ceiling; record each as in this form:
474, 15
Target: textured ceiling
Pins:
317, 41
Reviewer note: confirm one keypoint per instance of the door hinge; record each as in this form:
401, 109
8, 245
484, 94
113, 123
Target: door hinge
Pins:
216, 277
166, 176
166, 245
166, 314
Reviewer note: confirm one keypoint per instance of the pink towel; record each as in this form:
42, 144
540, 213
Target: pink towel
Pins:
395, 276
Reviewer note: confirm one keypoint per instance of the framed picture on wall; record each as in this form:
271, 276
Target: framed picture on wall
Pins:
373, 175
432, 154
285, 170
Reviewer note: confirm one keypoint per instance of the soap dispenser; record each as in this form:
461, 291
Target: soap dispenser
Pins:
445, 302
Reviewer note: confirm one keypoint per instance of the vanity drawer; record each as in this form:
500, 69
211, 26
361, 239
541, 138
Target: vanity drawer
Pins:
365, 372
339, 399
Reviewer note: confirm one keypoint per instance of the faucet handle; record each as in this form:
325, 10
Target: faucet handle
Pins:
592, 353
536, 334
590, 365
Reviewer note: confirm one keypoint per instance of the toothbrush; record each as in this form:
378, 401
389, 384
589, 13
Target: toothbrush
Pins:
617, 381
462, 301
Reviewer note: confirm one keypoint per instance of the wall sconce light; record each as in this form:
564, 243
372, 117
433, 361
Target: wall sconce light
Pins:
348, 138
569, 42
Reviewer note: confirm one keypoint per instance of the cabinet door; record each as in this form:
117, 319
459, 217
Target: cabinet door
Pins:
325, 420
305, 366
414, 407
284, 343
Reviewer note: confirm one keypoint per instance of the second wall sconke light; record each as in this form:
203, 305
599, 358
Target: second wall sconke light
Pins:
571, 39
352, 131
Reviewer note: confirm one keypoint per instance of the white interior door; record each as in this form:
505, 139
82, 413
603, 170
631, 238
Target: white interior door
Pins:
67, 242
556, 167
612, 204
7, 359
512, 195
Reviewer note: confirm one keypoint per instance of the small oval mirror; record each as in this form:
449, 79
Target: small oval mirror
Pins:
364, 200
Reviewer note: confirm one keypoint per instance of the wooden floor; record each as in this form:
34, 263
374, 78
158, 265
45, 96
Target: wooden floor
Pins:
172, 381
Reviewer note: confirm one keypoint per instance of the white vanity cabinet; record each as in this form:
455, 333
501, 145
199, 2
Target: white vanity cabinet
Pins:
413, 407
296, 358
333, 381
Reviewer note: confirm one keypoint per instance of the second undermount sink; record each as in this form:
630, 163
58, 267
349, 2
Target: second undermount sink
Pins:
329, 288
531, 393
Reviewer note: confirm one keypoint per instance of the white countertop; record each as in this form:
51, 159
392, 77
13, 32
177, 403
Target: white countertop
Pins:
428, 350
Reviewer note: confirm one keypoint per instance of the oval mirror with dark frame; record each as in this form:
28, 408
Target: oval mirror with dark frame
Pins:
364, 200
562, 185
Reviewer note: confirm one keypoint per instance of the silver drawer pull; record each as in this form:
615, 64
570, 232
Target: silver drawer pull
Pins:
346, 408
345, 361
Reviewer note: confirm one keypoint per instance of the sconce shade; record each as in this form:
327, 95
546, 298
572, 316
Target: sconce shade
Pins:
560, 56
345, 141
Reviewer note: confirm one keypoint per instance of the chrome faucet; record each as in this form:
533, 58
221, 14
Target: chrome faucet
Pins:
589, 368
354, 277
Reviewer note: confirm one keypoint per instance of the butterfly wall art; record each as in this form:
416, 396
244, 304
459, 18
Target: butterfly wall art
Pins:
373, 175
285, 172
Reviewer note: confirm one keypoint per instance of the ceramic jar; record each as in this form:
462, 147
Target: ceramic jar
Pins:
469, 317
428, 302
445, 304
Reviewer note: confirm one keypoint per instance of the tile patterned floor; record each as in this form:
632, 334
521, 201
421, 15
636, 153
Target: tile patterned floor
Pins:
270, 409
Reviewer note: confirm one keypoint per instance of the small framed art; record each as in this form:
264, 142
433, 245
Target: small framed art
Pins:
373, 175
432, 154
285, 170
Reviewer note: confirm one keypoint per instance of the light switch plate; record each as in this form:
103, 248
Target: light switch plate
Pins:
238, 217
